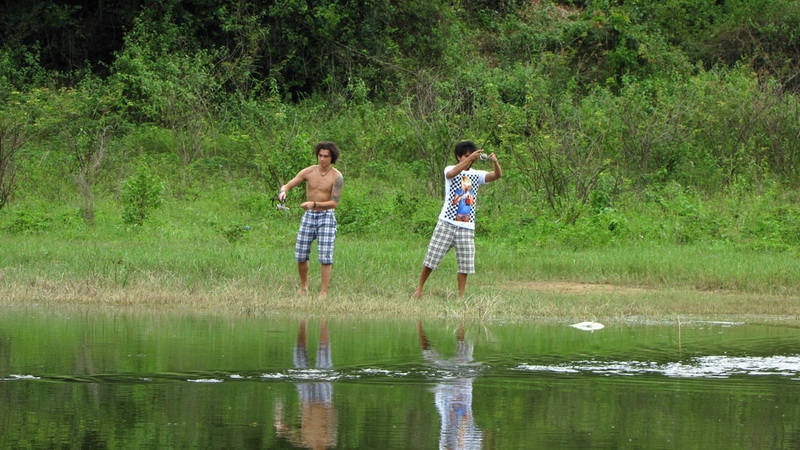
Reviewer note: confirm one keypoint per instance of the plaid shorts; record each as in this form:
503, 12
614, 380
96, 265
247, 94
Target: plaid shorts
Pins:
319, 225
447, 236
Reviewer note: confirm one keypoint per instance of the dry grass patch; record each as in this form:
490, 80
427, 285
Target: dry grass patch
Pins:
583, 301
566, 287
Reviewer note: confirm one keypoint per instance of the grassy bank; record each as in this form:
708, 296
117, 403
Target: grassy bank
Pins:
197, 269
650, 155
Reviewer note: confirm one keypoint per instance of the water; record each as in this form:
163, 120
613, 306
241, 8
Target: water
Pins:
140, 380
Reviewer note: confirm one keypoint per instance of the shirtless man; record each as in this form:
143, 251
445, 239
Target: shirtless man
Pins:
323, 191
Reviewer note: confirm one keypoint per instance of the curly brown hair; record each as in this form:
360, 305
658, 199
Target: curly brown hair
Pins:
326, 145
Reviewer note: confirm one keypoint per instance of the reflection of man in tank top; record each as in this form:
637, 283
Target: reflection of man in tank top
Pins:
318, 417
454, 397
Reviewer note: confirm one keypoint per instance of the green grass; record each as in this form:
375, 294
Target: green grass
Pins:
191, 256
196, 268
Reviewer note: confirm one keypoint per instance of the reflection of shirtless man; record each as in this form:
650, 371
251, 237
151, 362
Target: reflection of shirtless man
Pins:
318, 425
323, 191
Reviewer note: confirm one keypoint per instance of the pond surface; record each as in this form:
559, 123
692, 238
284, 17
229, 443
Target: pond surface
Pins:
136, 380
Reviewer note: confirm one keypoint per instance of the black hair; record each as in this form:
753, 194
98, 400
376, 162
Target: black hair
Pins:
326, 145
465, 147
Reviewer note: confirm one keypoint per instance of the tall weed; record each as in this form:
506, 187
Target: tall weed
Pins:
141, 194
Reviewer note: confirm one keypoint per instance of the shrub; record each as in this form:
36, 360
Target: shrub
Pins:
29, 222
234, 232
141, 194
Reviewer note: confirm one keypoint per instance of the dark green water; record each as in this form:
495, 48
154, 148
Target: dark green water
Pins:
134, 380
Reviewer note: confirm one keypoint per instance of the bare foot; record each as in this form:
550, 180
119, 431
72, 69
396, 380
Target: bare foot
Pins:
323, 295
303, 291
416, 294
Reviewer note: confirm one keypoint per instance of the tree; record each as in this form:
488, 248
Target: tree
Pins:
12, 138
85, 120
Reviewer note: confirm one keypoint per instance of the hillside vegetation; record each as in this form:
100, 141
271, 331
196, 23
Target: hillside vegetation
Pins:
674, 122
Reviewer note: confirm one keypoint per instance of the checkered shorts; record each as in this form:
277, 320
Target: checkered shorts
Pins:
447, 236
319, 225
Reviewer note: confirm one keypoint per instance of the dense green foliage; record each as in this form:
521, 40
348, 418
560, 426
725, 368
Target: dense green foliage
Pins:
672, 121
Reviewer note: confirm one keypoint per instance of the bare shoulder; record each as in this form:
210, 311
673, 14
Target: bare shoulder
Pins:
305, 173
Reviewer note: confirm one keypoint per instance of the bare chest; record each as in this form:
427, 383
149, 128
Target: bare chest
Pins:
321, 182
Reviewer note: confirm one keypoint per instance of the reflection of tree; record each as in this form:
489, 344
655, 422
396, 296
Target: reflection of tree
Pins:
454, 395
318, 417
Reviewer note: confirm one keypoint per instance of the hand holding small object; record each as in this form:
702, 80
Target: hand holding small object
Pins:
489, 157
282, 199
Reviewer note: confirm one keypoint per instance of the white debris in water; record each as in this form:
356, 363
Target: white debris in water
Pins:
705, 367
379, 371
20, 377
588, 326
724, 324
390, 373
207, 380
781, 365
562, 369
307, 375
315, 375
274, 375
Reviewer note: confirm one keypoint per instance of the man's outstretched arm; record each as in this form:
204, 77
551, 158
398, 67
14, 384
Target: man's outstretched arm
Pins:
497, 172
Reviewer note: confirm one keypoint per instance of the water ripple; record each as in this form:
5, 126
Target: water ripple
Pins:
704, 367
